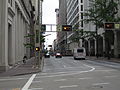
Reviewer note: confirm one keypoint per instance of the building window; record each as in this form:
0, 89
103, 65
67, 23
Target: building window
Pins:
81, 1
81, 23
81, 7
10, 2
81, 15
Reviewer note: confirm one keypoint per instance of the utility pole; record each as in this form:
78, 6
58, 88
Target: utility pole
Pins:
38, 47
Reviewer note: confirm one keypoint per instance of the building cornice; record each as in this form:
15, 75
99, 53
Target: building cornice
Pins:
11, 11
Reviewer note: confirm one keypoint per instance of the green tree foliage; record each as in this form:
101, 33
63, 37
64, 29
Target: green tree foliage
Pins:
101, 11
32, 45
81, 34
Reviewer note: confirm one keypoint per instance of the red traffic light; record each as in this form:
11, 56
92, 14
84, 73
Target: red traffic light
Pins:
109, 26
66, 28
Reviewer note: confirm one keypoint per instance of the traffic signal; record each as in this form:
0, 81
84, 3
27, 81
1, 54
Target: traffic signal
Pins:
66, 28
43, 27
109, 26
37, 49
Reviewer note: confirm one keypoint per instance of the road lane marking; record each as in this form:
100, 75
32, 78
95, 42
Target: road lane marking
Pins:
60, 80
71, 86
73, 73
84, 78
26, 86
95, 84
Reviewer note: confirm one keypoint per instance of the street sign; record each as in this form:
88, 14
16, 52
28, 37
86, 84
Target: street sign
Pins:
43, 27
59, 28
117, 26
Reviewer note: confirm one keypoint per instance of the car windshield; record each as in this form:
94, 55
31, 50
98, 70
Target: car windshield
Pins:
80, 50
58, 54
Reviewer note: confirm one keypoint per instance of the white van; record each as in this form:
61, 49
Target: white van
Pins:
79, 53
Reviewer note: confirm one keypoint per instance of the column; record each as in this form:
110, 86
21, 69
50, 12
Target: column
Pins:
115, 44
3, 35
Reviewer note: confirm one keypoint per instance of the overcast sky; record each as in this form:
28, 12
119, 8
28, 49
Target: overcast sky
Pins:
49, 17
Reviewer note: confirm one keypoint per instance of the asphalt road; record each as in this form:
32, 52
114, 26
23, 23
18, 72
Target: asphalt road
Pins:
68, 74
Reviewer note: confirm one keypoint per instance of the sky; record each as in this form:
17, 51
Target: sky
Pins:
49, 17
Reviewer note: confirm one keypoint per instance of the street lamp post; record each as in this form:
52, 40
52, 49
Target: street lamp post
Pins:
38, 55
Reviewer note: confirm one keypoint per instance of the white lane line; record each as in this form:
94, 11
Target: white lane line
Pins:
26, 86
71, 73
85, 78
65, 67
60, 80
89, 67
71, 86
95, 84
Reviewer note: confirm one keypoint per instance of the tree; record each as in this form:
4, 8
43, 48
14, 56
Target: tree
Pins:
81, 34
32, 45
101, 11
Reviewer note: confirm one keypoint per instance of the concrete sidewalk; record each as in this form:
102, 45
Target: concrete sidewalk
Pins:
116, 60
22, 69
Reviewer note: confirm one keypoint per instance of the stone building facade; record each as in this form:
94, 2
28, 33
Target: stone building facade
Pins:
108, 40
15, 23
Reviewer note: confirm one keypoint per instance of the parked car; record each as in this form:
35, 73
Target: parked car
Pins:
47, 55
58, 55
79, 53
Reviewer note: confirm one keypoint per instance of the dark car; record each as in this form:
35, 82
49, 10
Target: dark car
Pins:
47, 55
58, 55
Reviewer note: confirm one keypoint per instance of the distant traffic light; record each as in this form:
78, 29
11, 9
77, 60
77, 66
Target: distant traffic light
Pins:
37, 49
109, 26
66, 28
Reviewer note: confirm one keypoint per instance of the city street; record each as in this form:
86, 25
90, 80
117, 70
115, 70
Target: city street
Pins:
41, 42
68, 74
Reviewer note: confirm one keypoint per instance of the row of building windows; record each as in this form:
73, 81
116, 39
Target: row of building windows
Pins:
81, 7
72, 8
73, 15
72, 5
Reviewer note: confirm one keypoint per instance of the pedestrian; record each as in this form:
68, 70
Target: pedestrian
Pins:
109, 55
97, 55
24, 59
